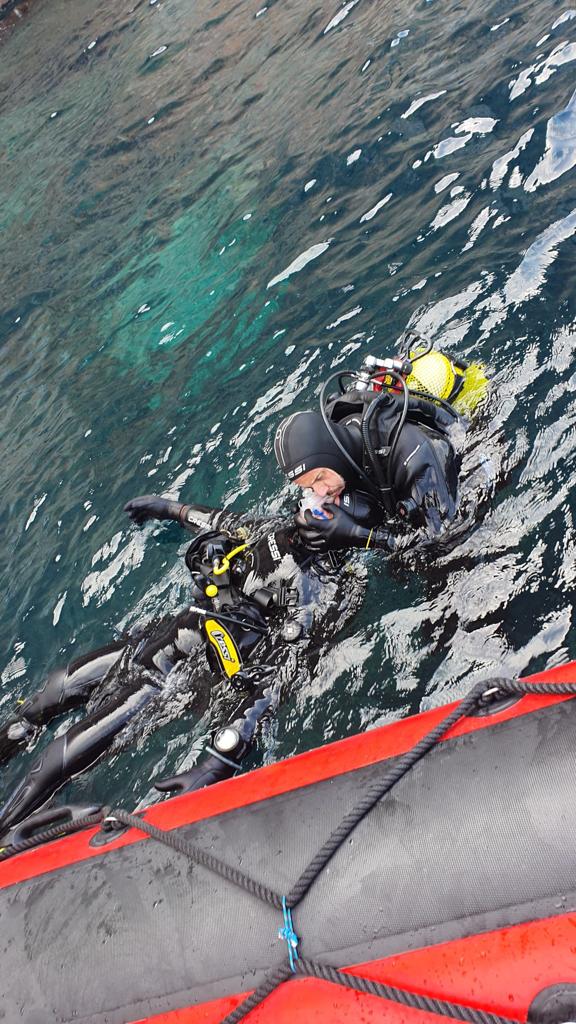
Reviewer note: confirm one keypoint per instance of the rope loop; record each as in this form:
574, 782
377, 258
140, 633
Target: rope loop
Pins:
55, 832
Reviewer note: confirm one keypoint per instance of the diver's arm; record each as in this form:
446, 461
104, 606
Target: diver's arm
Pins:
425, 481
201, 517
231, 743
192, 517
341, 531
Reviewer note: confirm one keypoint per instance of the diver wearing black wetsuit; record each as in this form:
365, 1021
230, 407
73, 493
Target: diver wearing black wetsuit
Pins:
251, 616
400, 471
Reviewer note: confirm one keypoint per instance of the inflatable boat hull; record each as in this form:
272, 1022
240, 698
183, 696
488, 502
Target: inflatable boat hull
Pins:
459, 885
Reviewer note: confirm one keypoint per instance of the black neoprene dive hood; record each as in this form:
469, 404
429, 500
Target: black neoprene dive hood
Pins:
303, 442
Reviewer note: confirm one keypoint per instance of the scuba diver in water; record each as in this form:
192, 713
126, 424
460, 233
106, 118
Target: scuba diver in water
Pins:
259, 602
266, 597
378, 457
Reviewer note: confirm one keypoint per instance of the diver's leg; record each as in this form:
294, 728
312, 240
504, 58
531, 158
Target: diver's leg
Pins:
232, 743
171, 644
86, 741
65, 689
70, 754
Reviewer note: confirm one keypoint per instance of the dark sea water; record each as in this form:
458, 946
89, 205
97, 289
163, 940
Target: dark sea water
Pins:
204, 209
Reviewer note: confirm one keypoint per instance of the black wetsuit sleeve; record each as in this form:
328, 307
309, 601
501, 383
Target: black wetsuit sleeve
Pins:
195, 517
425, 482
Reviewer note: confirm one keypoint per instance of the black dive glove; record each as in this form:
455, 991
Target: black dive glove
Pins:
210, 771
222, 762
152, 506
341, 531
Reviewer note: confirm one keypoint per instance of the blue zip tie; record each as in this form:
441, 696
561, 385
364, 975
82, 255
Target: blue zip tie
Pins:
288, 933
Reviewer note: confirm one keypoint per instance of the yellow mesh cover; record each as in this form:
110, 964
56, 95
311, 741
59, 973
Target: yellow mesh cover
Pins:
474, 390
432, 373
435, 374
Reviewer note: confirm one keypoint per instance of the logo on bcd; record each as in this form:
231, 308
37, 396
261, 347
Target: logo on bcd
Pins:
274, 550
225, 647
221, 641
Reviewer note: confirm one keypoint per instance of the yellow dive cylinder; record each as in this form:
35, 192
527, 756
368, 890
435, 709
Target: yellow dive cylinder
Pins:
463, 386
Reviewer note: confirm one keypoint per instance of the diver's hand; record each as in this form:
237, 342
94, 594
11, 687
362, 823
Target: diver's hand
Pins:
210, 771
152, 506
341, 531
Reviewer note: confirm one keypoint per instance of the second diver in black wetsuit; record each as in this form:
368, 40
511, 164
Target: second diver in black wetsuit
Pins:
378, 457
259, 600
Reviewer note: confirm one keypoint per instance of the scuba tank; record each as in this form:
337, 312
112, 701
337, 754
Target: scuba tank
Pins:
431, 375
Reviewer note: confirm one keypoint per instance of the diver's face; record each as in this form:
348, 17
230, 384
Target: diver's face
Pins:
324, 482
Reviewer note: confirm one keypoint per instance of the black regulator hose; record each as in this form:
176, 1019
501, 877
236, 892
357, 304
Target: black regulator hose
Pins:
357, 469
384, 477
381, 477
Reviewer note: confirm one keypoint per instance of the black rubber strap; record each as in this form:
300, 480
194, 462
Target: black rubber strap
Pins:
56, 832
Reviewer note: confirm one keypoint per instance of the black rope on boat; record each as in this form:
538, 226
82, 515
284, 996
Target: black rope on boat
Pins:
403, 997
55, 832
518, 686
375, 793
199, 856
